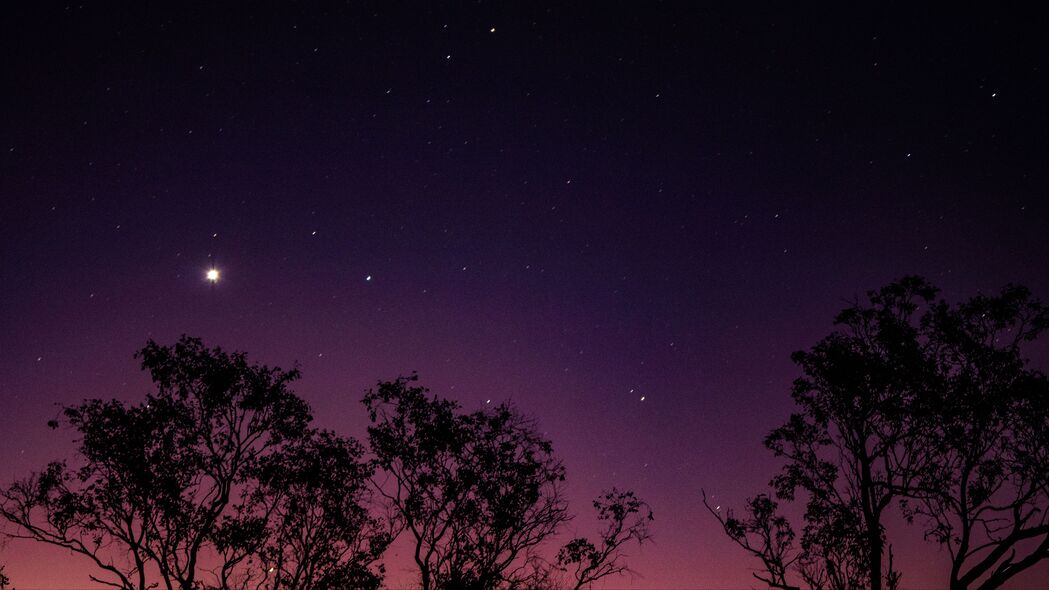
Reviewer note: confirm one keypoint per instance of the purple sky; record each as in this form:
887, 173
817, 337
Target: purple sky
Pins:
586, 206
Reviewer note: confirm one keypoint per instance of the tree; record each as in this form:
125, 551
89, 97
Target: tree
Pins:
829, 557
232, 415
134, 466
626, 519
477, 492
309, 518
849, 447
916, 401
156, 482
986, 424
765, 534
833, 556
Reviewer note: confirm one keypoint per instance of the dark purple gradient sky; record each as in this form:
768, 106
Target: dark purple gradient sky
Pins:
587, 205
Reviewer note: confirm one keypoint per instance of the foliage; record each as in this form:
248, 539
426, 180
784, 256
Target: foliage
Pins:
111, 508
917, 402
306, 520
626, 519
156, 482
987, 427
849, 447
477, 492
763, 533
216, 481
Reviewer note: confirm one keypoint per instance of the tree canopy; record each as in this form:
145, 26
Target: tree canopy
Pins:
916, 404
477, 492
218, 480
625, 518
162, 486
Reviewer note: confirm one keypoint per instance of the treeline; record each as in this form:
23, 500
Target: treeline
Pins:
920, 407
219, 480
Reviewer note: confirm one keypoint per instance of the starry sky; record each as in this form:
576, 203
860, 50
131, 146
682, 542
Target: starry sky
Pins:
622, 217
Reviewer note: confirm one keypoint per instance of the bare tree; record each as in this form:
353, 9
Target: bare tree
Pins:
626, 519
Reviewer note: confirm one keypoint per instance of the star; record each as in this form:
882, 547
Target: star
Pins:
212, 275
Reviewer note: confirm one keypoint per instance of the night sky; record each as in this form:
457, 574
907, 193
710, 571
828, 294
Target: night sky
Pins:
621, 217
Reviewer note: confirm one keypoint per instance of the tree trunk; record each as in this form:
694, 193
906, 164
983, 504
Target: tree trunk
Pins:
875, 542
872, 521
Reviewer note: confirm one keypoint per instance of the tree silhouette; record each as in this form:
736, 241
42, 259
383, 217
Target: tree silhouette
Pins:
626, 519
236, 414
477, 492
107, 509
216, 481
986, 425
765, 534
915, 401
849, 447
305, 524
833, 556
156, 484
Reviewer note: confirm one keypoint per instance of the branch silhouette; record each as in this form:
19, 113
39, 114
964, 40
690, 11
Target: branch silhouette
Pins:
915, 403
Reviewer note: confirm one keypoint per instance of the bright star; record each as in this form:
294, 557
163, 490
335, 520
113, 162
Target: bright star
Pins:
212, 275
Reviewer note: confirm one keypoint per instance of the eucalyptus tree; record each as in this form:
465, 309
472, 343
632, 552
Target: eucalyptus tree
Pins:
307, 522
986, 426
850, 446
917, 402
477, 492
625, 518
218, 463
